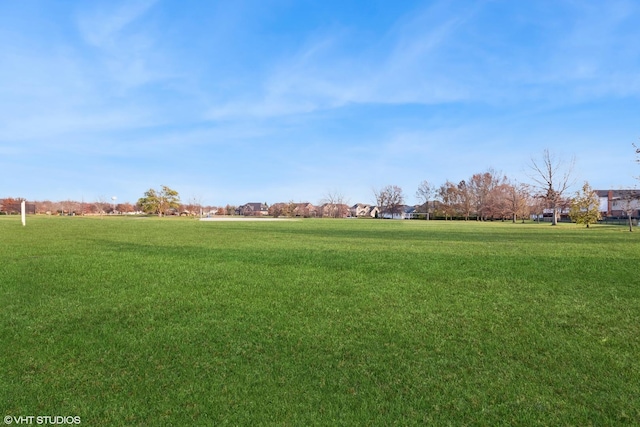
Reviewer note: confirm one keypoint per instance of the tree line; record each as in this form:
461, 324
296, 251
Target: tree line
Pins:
491, 195
487, 195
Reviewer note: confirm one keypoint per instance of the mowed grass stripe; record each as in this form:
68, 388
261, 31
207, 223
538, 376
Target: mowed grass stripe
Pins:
174, 321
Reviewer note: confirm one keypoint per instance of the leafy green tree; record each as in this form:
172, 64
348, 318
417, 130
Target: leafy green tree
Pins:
159, 202
585, 207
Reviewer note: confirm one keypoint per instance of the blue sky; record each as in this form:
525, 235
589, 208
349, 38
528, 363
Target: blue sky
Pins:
243, 101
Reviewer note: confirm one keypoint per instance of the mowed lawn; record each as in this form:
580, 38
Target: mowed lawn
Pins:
125, 321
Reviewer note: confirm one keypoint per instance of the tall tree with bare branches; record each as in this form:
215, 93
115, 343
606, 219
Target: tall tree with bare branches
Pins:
553, 177
381, 200
448, 195
424, 193
524, 201
482, 187
464, 198
390, 200
629, 205
335, 204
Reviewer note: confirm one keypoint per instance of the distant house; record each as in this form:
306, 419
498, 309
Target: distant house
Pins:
408, 212
364, 210
253, 209
212, 210
404, 212
619, 203
547, 214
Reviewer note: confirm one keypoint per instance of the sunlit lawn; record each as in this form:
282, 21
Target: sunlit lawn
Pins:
319, 322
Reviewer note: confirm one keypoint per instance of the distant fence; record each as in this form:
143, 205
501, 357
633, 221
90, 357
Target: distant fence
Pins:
618, 221
607, 220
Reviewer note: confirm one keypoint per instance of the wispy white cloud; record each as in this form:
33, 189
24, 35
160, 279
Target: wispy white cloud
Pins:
102, 27
400, 67
141, 93
125, 48
63, 87
430, 57
581, 52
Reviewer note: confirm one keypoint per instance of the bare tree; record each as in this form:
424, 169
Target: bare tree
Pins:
637, 149
396, 200
510, 200
501, 206
523, 201
290, 209
464, 199
381, 200
277, 209
448, 195
193, 206
247, 210
100, 205
629, 205
10, 205
125, 207
483, 189
56, 208
390, 200
553, 177
538, 205
43, 207
335, 203
424, 193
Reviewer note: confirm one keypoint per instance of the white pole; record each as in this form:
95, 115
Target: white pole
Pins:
24, 214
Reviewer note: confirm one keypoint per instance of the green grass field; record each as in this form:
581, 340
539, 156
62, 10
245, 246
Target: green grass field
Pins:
126, 321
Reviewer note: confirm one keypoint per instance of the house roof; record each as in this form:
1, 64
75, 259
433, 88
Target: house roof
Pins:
256, 206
